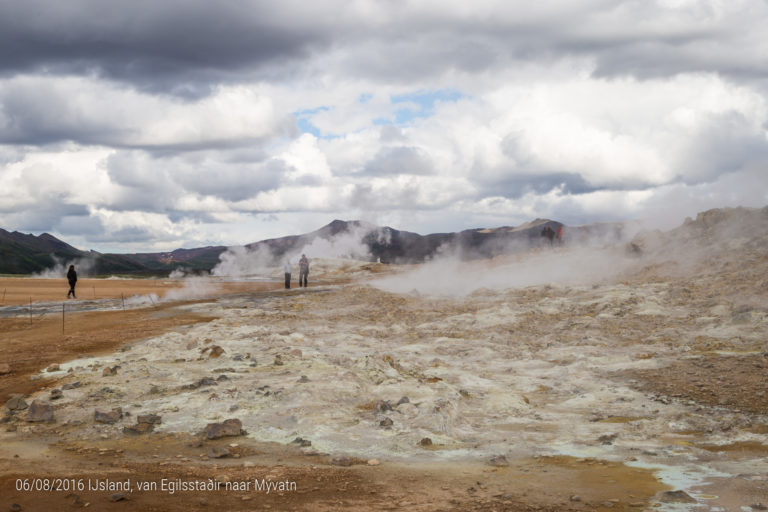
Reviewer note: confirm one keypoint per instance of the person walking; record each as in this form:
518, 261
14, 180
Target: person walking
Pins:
287, 270
303, 271
72, 278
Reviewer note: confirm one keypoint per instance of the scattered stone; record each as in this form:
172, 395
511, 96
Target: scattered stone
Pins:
139, 428
118, 496
213, 351
425, 442
205, 381
464, 393
73, 385
758, 506
302, 442
152, 419
233, 408
222, 377
303, 379
56, 394
5, 368
109, 371
403, 400
342, 461
676, 497
110, 417
575, 498
607, 504
383, 406
607, 438
53, 368
16, 403
386, 422
224, 370
637, 504
218, 452
278, 360
40, 411
15, 507
373, 462
498, 461
231, 427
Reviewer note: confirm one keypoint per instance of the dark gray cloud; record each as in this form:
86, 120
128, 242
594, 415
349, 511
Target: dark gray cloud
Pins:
179, 47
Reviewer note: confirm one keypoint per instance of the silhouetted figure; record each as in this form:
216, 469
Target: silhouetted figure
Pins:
72, 278
303, 271
559, 235
548, 233
287, 270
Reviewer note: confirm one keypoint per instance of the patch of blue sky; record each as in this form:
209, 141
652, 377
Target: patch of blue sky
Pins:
418, 105
304, 122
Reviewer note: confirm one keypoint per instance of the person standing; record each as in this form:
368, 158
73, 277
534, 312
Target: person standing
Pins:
72, 278
287, 270
303, 271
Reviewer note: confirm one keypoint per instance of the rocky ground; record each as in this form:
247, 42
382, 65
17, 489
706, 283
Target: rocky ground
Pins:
641, 388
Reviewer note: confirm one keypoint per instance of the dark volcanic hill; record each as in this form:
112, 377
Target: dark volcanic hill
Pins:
24, 254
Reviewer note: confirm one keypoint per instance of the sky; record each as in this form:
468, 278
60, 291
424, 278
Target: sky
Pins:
147, 126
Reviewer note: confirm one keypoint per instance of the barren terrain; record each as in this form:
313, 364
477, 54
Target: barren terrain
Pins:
562, 380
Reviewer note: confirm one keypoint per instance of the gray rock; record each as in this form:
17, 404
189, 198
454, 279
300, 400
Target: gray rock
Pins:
425, 442
218, 452
15, 507
498, 461
109, 371
231, 427
386, 422
73, 385
303, 379
607, 438
213, 351
56, 394
53, 368
40, 411
302, 442
110, 417
342, 461
676, 497
139, 428
118, 496
383, 406
16, 403
403, 400
152, 419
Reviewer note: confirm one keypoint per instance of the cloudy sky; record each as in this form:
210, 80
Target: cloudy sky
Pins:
143, 125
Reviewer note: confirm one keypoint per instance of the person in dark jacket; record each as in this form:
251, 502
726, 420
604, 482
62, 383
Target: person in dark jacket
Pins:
72, 278
303, 271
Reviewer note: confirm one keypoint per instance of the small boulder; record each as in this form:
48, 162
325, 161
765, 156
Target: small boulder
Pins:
676, 497
139, 428
16, 403
218, 452
213, 351
118, 496
342, 461
302, 442
40, 411
5, 368
498, 461
53, 368
425, 442
403, 400
110, 417
231, 427
109, 371
152, 419
383, 406
386, 422
56, 394
72, 385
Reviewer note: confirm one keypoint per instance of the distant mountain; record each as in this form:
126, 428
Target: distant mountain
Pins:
390, 245
24, 254
21, 253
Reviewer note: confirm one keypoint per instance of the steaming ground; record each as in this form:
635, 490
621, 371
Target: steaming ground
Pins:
655, 361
